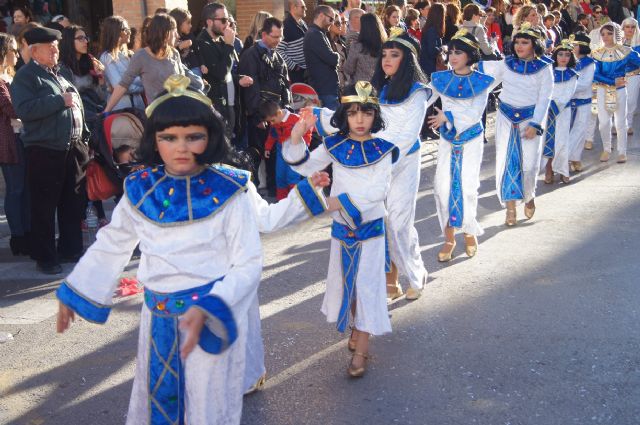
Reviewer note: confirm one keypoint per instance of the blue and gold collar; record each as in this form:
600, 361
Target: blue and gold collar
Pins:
523, 67
583, 63
168, 200
448, 83
562, 75
414, 88
354, 154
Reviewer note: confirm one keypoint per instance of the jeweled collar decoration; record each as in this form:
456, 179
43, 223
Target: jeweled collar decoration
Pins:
354, 154
562, 75
168, 200
456, 86
525, 67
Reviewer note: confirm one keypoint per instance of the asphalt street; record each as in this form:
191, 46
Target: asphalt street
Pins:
541, 327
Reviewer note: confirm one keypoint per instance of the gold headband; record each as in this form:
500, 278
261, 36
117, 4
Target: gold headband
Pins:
572, 40
462, 36
395, 34
528, 29
565, 44
176, 86
363, 90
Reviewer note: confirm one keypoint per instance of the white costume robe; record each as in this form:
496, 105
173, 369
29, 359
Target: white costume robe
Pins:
556, 138
457, 179
525, 84
361, 178
192, 230
403, 122
633, 90
581, 109
613, 63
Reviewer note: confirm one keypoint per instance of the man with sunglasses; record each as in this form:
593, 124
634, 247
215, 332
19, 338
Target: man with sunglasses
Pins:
215, 46
321, 60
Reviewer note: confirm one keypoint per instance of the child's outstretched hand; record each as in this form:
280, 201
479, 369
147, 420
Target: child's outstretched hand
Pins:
191, 322
65, 317
306, 123
333, 203
320, 179
435, 121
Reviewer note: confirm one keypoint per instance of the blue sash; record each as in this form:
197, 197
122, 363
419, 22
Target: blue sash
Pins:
512, 184
350, 250
456, 204
550, 134
575, 104
166, 374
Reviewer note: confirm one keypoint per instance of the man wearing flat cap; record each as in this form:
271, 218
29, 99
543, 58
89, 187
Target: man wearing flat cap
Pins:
54, 137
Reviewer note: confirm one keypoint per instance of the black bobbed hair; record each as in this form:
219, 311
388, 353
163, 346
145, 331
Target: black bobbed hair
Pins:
572, 61
538, 44
339, 119
183, 111
473, 54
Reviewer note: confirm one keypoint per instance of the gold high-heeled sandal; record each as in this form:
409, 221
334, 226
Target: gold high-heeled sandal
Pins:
470, 248
351, 345
529, 211
446, 255
357, 372
511, 218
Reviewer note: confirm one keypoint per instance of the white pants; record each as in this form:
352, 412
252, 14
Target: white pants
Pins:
470, 176
404, 246
579, 133
591, 127
620, 119
633, 91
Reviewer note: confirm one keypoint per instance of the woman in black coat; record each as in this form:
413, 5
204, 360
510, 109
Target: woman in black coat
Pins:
431, 42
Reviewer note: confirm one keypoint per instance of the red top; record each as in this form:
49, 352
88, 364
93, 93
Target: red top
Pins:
495, 28
8, 148
282, 131
417, 34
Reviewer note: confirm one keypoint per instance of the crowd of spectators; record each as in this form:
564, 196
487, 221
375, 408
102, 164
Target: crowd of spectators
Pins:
53, 88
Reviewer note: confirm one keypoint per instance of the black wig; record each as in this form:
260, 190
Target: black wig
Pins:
409, 71
183, 111
584, 38
538, 42
572, 61
472, 53
339, 119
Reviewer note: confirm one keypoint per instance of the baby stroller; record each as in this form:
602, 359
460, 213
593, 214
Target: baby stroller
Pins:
116, 137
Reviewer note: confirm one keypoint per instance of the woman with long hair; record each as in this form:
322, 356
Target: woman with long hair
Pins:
154, 63
12, 161
631, 38
432, 34
21, 16
403, 101
453, 18
527, 82
336, 33
364, 53
114, 38
391, 18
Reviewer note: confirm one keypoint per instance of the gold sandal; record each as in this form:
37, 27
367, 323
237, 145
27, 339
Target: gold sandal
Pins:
351, 345
357, 372
511, 219
446, 255
470, 248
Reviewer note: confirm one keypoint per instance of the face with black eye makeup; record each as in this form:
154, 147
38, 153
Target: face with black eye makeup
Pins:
178, 147
391, 59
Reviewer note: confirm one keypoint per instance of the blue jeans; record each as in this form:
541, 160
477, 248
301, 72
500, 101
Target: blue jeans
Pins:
16, 200
329, 101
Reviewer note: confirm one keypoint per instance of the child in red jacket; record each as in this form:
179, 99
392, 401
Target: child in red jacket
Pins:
281, 122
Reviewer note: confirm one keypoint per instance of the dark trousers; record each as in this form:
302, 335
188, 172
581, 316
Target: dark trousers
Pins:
297, 76
56, 182
257, 137
16, 200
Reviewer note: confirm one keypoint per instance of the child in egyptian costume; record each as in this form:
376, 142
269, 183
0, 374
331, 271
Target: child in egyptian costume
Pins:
613, 61
197, 223
527, 83
362, 166
581, 115
556, 135
403, 102
464, 93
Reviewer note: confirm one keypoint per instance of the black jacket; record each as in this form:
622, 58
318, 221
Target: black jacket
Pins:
431, 47
218, 57
270, 78
321, 61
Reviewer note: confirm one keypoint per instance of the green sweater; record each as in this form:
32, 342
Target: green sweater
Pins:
38, 102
